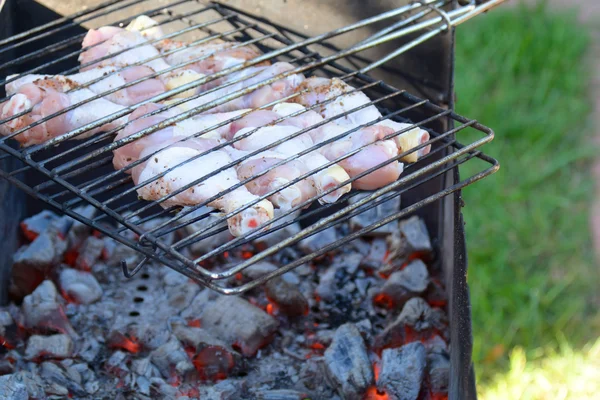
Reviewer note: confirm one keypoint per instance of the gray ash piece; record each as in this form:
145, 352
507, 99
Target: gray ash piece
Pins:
83, 331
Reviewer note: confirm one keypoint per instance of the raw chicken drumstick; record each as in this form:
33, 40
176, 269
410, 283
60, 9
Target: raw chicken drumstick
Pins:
301, 191
47, 101
112, 79
186, 171
321, 89
374, 154
174, 145
138, 120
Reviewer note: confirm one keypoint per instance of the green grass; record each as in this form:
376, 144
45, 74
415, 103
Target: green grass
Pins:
523, 72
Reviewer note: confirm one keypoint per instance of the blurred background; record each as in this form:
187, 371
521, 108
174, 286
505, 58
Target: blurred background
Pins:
531, 71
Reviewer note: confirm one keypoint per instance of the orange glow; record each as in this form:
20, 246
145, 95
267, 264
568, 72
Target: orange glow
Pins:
239, 276
271, 308
194, 323
96, 233
383, 300
213, 363
226, 254
30, 235
6, 344
247, 254
193, 393
373, 394
317, 298
68, 297
126, 343
438, 396
317, 346
70, 257
376, 370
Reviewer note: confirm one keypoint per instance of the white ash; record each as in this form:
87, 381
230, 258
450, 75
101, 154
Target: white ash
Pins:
141, 337
81, 286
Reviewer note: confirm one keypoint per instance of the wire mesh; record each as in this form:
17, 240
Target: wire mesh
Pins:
77, 173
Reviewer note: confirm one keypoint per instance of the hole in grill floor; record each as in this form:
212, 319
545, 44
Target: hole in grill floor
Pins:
138, 299
134, 314
145, 276
142, 288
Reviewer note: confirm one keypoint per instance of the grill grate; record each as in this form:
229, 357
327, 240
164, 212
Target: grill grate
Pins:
80, 172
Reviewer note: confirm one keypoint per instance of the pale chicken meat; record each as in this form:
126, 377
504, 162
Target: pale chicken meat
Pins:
109, 78
210, 126
366, 144
239, 81
323, 180
44, 102
343, 97
183, 165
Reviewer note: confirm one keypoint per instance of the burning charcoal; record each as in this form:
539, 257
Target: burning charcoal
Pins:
54, 346
54, 374
376, 214
125, 341
377, 255
117, 364
286, 297
32, 227
417, 321
347, 362
80, 286
34, 386
319, 240
198, 304
411, 240
438, 367
281, 394
405, 284
171, 357
41, 310
402, 371
259, 269
143, 385
236, 321
212, 358
89, 253
31, 263
436, 345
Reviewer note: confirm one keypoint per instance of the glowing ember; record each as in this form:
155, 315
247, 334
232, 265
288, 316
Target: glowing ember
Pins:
317, 346
373, 394
30, 235
68, 297
247, 254
438, 396
213, 363
195, 323
130, 344
271, 309
376, 370
383, 300
70, 257
239, 276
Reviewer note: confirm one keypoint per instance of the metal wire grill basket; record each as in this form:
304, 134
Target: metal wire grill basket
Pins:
77, 173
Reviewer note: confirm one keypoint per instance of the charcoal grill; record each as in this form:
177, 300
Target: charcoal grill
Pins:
66, 174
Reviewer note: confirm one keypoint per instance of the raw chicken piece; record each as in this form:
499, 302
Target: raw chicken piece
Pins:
46, 102
104, 44
322, 89
131, 95
375, 152
125, 155
285, 198
408, 140
215, 56
322, 180
257, 98
184, 174
113, 42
